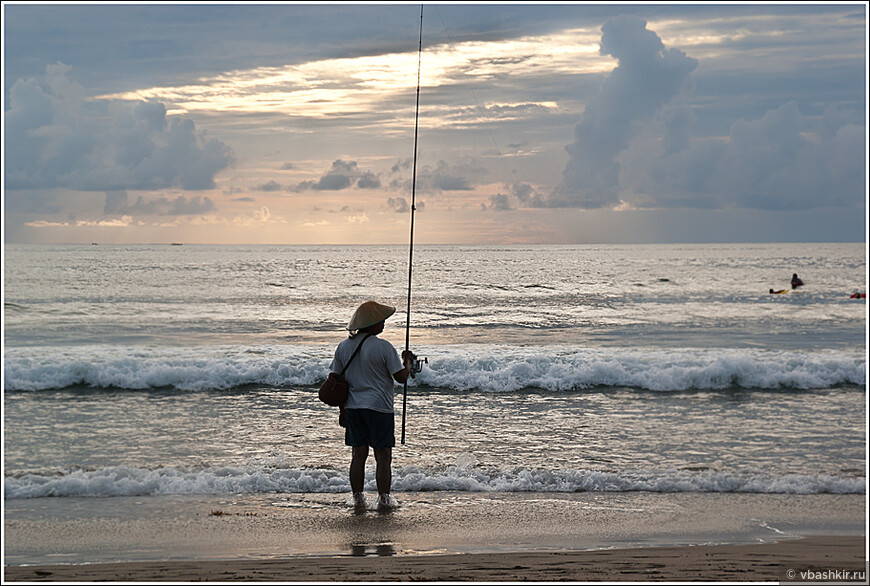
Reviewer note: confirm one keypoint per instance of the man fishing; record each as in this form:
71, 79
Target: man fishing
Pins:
368, 415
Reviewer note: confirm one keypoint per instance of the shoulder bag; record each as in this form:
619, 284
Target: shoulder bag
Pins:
334, 389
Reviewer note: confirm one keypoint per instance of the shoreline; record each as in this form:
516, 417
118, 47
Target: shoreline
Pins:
786, 561
434, 536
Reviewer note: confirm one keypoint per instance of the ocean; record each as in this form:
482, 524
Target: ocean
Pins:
184, 371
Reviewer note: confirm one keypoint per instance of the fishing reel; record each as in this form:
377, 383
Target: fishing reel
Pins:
417, 366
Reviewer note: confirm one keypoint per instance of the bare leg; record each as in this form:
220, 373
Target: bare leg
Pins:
358, 468
384, 472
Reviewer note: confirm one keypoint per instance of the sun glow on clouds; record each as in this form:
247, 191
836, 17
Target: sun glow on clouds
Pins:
257, 218
299, 128
710, 39
121, 222
325, 88
343, 86
362, 218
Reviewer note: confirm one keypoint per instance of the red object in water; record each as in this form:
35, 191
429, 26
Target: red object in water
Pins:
858, 296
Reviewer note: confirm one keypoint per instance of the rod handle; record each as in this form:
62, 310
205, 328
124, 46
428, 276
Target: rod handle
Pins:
404, 410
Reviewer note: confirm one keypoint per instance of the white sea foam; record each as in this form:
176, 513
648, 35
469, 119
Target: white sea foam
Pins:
127, 481
460, 368
558, 369
186, 369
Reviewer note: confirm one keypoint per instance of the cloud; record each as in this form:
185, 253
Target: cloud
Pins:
117, 203
362, 218
368, 180
188, 206
634, 149
45, 224
647, 77
399, 205
447, 182
500, 202
61, 140
121, 222
770, 164
487, 114
519, 195
401, 165
445, 177
332, 182
781, 161
527, 195
257, 218
342, 175
270, 185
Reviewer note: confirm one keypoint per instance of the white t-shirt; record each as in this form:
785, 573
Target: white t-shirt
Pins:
370, 375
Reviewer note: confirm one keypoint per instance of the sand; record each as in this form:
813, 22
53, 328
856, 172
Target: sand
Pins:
436, 537
780, 561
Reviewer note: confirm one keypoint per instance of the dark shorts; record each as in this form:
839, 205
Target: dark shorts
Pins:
370, 428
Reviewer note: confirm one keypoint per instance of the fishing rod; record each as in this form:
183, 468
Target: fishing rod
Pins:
416, 366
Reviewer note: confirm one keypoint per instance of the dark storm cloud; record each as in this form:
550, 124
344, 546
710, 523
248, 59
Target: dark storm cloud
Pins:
60, 140
647, 77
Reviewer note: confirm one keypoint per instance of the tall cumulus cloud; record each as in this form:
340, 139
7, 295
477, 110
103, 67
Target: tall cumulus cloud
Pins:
633, 146
56, 138
647, 77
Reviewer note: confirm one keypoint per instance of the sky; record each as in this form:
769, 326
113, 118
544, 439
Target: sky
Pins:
538, 123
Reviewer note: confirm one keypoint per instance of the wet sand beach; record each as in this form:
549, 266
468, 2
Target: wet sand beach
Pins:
780, 561
436, 537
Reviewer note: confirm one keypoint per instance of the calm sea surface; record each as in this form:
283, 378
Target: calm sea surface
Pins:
155, 370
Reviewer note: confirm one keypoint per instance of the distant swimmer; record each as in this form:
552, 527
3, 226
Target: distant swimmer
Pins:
796, 282
858, 296
780, 292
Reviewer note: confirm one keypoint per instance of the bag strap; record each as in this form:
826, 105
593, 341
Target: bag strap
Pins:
355, 352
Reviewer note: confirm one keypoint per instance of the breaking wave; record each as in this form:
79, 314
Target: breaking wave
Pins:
488, 368
128, 481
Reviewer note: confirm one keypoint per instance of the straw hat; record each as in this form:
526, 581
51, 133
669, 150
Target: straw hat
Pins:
368, 314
